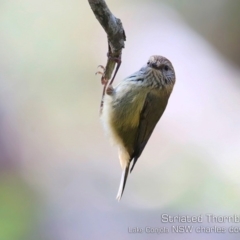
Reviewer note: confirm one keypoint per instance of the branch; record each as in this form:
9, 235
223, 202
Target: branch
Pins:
115, 34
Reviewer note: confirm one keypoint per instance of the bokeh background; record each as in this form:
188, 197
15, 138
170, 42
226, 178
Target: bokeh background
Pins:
58, 173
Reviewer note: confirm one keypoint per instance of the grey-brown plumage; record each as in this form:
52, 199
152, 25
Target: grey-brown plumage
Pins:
132, 109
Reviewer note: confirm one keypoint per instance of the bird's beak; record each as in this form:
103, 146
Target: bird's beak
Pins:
153, 65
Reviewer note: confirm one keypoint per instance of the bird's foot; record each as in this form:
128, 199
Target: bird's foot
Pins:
103, 79
118, 60
110, 90
99, 72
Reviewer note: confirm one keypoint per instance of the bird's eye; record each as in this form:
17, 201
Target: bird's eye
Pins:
166, 68
148, 62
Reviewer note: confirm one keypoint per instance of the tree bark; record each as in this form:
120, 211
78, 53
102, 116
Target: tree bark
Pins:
115, 34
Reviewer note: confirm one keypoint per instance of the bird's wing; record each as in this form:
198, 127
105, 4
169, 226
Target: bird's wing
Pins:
153, 109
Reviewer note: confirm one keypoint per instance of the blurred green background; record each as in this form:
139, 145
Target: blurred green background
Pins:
58, 173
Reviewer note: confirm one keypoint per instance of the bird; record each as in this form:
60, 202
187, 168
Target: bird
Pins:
132, 109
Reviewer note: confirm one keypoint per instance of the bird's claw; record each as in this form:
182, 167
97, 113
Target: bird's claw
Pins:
104, 81
101, 66
98, 72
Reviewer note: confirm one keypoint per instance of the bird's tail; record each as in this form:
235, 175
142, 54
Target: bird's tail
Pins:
123, 182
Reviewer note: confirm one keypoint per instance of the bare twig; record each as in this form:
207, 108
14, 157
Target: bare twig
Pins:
115, 35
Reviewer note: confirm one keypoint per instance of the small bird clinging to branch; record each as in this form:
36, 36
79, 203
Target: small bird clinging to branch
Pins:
132, 109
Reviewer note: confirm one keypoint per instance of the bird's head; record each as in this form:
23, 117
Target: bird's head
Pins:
162, 67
